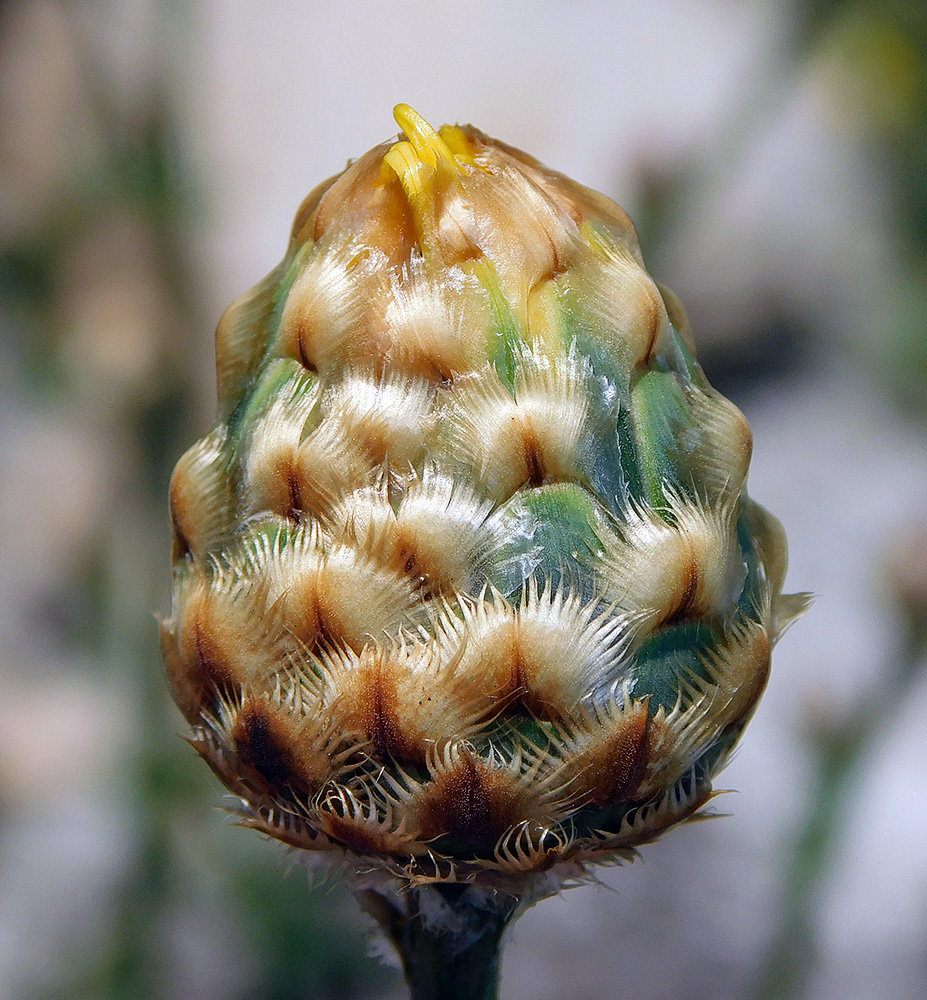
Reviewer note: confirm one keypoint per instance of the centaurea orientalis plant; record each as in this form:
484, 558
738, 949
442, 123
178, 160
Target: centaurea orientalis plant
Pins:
468, 593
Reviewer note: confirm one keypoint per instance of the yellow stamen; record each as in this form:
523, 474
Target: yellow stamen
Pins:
424, 160
458, 143
428, 145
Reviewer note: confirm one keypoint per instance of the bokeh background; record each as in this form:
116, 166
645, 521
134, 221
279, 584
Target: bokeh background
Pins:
774, 157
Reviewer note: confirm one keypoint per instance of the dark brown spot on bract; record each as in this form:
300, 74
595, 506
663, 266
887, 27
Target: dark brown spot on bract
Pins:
382, 725
294, 494
534, 459
519, 695
407, 561
198, 670
628, 757
618, 762
685, 607
212, 668
260, 747
303, 334
472, 804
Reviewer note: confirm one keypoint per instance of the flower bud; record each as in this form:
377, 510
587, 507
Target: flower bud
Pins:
466, 582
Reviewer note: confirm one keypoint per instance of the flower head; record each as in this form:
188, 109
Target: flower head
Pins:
466, 582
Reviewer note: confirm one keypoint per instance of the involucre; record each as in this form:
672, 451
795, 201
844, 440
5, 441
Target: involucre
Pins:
467, 586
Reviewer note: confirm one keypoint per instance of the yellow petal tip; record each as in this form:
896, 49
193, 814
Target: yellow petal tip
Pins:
423, 156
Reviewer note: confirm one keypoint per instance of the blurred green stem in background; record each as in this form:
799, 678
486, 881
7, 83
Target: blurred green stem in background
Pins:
127, 176
875, 58
839, 749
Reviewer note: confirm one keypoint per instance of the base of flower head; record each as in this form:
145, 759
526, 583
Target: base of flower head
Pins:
529, 861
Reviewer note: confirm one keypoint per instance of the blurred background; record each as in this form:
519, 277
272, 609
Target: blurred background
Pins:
774, 158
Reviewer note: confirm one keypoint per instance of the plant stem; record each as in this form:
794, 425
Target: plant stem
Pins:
448, 938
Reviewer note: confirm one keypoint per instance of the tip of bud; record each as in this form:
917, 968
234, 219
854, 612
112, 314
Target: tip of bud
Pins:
426, 142
425, 158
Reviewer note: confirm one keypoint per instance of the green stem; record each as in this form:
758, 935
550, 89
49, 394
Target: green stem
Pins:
448, 938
